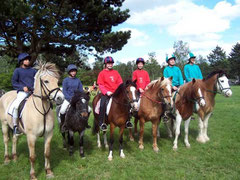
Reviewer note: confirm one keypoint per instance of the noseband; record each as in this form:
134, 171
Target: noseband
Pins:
44, 87
221, 87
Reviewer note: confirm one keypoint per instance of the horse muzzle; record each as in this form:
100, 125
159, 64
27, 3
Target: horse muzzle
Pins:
228, 93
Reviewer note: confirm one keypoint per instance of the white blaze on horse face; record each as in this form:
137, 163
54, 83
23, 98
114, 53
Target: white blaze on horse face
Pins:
202, 101
169, 88
223, 86
84, 101
133, 90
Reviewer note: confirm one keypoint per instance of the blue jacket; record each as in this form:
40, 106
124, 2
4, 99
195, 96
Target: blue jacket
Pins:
192, 71
70, 85
176, 73
23, 77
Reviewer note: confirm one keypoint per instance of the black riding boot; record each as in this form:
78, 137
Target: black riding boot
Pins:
102, 113
62, 124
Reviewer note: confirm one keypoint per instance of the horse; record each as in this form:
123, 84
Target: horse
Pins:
216, 82
37, 115
189, 97
122, 100
157, 94
76, 120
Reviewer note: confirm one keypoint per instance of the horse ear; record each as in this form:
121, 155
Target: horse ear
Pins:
135, 81
171, 78
162, 78
127, 82
194, 80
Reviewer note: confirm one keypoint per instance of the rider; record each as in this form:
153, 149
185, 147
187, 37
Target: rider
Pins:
23, 82
172, 71
191, 70
141, 75
70, 84
108, 81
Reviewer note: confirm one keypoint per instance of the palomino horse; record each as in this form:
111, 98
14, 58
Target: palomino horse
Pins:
76, 120
123, 99
157, 94
37, 115
216, 82
187, 97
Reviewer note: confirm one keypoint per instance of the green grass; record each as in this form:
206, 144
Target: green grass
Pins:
217, 159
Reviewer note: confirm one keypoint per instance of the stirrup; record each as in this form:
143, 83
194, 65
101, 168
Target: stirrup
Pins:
129, 125
103, 127
16, 131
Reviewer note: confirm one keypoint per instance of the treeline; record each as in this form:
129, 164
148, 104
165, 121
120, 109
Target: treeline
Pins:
217, 59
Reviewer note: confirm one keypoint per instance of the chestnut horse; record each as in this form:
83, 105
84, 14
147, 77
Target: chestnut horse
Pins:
37, 115
186, 98
216, 82
157, 94
123, 99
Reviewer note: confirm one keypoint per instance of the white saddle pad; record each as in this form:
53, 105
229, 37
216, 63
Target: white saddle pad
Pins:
97, 108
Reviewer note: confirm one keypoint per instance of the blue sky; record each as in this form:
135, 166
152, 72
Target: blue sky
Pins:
157, 24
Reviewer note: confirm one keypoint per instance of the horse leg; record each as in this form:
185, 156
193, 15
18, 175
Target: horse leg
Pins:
70, 142
131, 135
169, 125
186, 128
141, 134
158, 129
110, 155
98, 140
64, 140
105, 139
31, 139
14, 148
5, 139
135, 126
47, 145
81, 143
205, 123
200, 137
154, 133
122, 155
177, 129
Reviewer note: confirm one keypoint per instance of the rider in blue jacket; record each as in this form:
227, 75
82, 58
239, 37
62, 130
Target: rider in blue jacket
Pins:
173, 71
70, 85
191, 70
23, 82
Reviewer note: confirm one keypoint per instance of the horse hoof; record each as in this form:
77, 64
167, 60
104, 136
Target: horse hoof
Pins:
122, 156
82, 156
156, 149
48, 176
200, 139
110, 158
141, 147
132, 139
14, 157
207, 139
106, 146
188, 146
175, 148
99, 146
6, 160
33, 177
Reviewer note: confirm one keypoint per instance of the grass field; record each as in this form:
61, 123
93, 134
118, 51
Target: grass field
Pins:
217, 159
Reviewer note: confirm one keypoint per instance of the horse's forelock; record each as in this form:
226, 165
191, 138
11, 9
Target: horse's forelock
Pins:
47, 68
78, 95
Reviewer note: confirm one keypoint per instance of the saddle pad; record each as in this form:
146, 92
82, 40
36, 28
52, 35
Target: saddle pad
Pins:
97, 108
21, 106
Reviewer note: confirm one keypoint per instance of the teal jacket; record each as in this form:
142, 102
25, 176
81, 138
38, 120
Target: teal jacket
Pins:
176, 73
192, 71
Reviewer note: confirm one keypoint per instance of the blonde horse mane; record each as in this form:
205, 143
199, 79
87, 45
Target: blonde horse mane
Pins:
159, 81
46, 68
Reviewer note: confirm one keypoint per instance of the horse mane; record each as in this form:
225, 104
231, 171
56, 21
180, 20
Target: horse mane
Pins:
154, 83
122, 86
220, 72
78, 95
47, 67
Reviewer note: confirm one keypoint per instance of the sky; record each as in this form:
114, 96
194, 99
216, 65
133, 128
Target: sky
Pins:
156, 24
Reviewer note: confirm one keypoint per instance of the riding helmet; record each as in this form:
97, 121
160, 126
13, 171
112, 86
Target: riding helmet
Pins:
140, 60
108, 59
23, 56
171, 57
191, 55
71, 67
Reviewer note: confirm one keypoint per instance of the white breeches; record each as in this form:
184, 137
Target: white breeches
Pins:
20, 96
64, 107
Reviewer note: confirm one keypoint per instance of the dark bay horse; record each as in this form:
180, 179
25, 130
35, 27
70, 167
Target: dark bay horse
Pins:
76, 120
123, 99
157, 94
216, 82
37, 115
186, 98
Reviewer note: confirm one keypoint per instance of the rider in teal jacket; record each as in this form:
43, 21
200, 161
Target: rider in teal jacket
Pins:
191, 70
174, 71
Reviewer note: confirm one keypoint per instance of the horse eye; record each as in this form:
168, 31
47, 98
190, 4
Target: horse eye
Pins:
162, 89
222, 81
46, 81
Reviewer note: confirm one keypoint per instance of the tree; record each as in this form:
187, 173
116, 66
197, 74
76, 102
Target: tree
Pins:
234, 59
181, 50
218, 60
152, 67
203, 65
61, 28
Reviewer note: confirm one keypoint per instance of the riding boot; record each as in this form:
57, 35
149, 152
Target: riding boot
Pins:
129, 124
16, 131
103, 126
62, 124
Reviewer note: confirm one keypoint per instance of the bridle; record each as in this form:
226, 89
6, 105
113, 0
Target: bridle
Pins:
221, 88
47, 97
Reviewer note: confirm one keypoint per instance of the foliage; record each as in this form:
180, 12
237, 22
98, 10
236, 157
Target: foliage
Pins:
152, 67
181, 50
234, 58
217, 159
61, 28
203, 65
